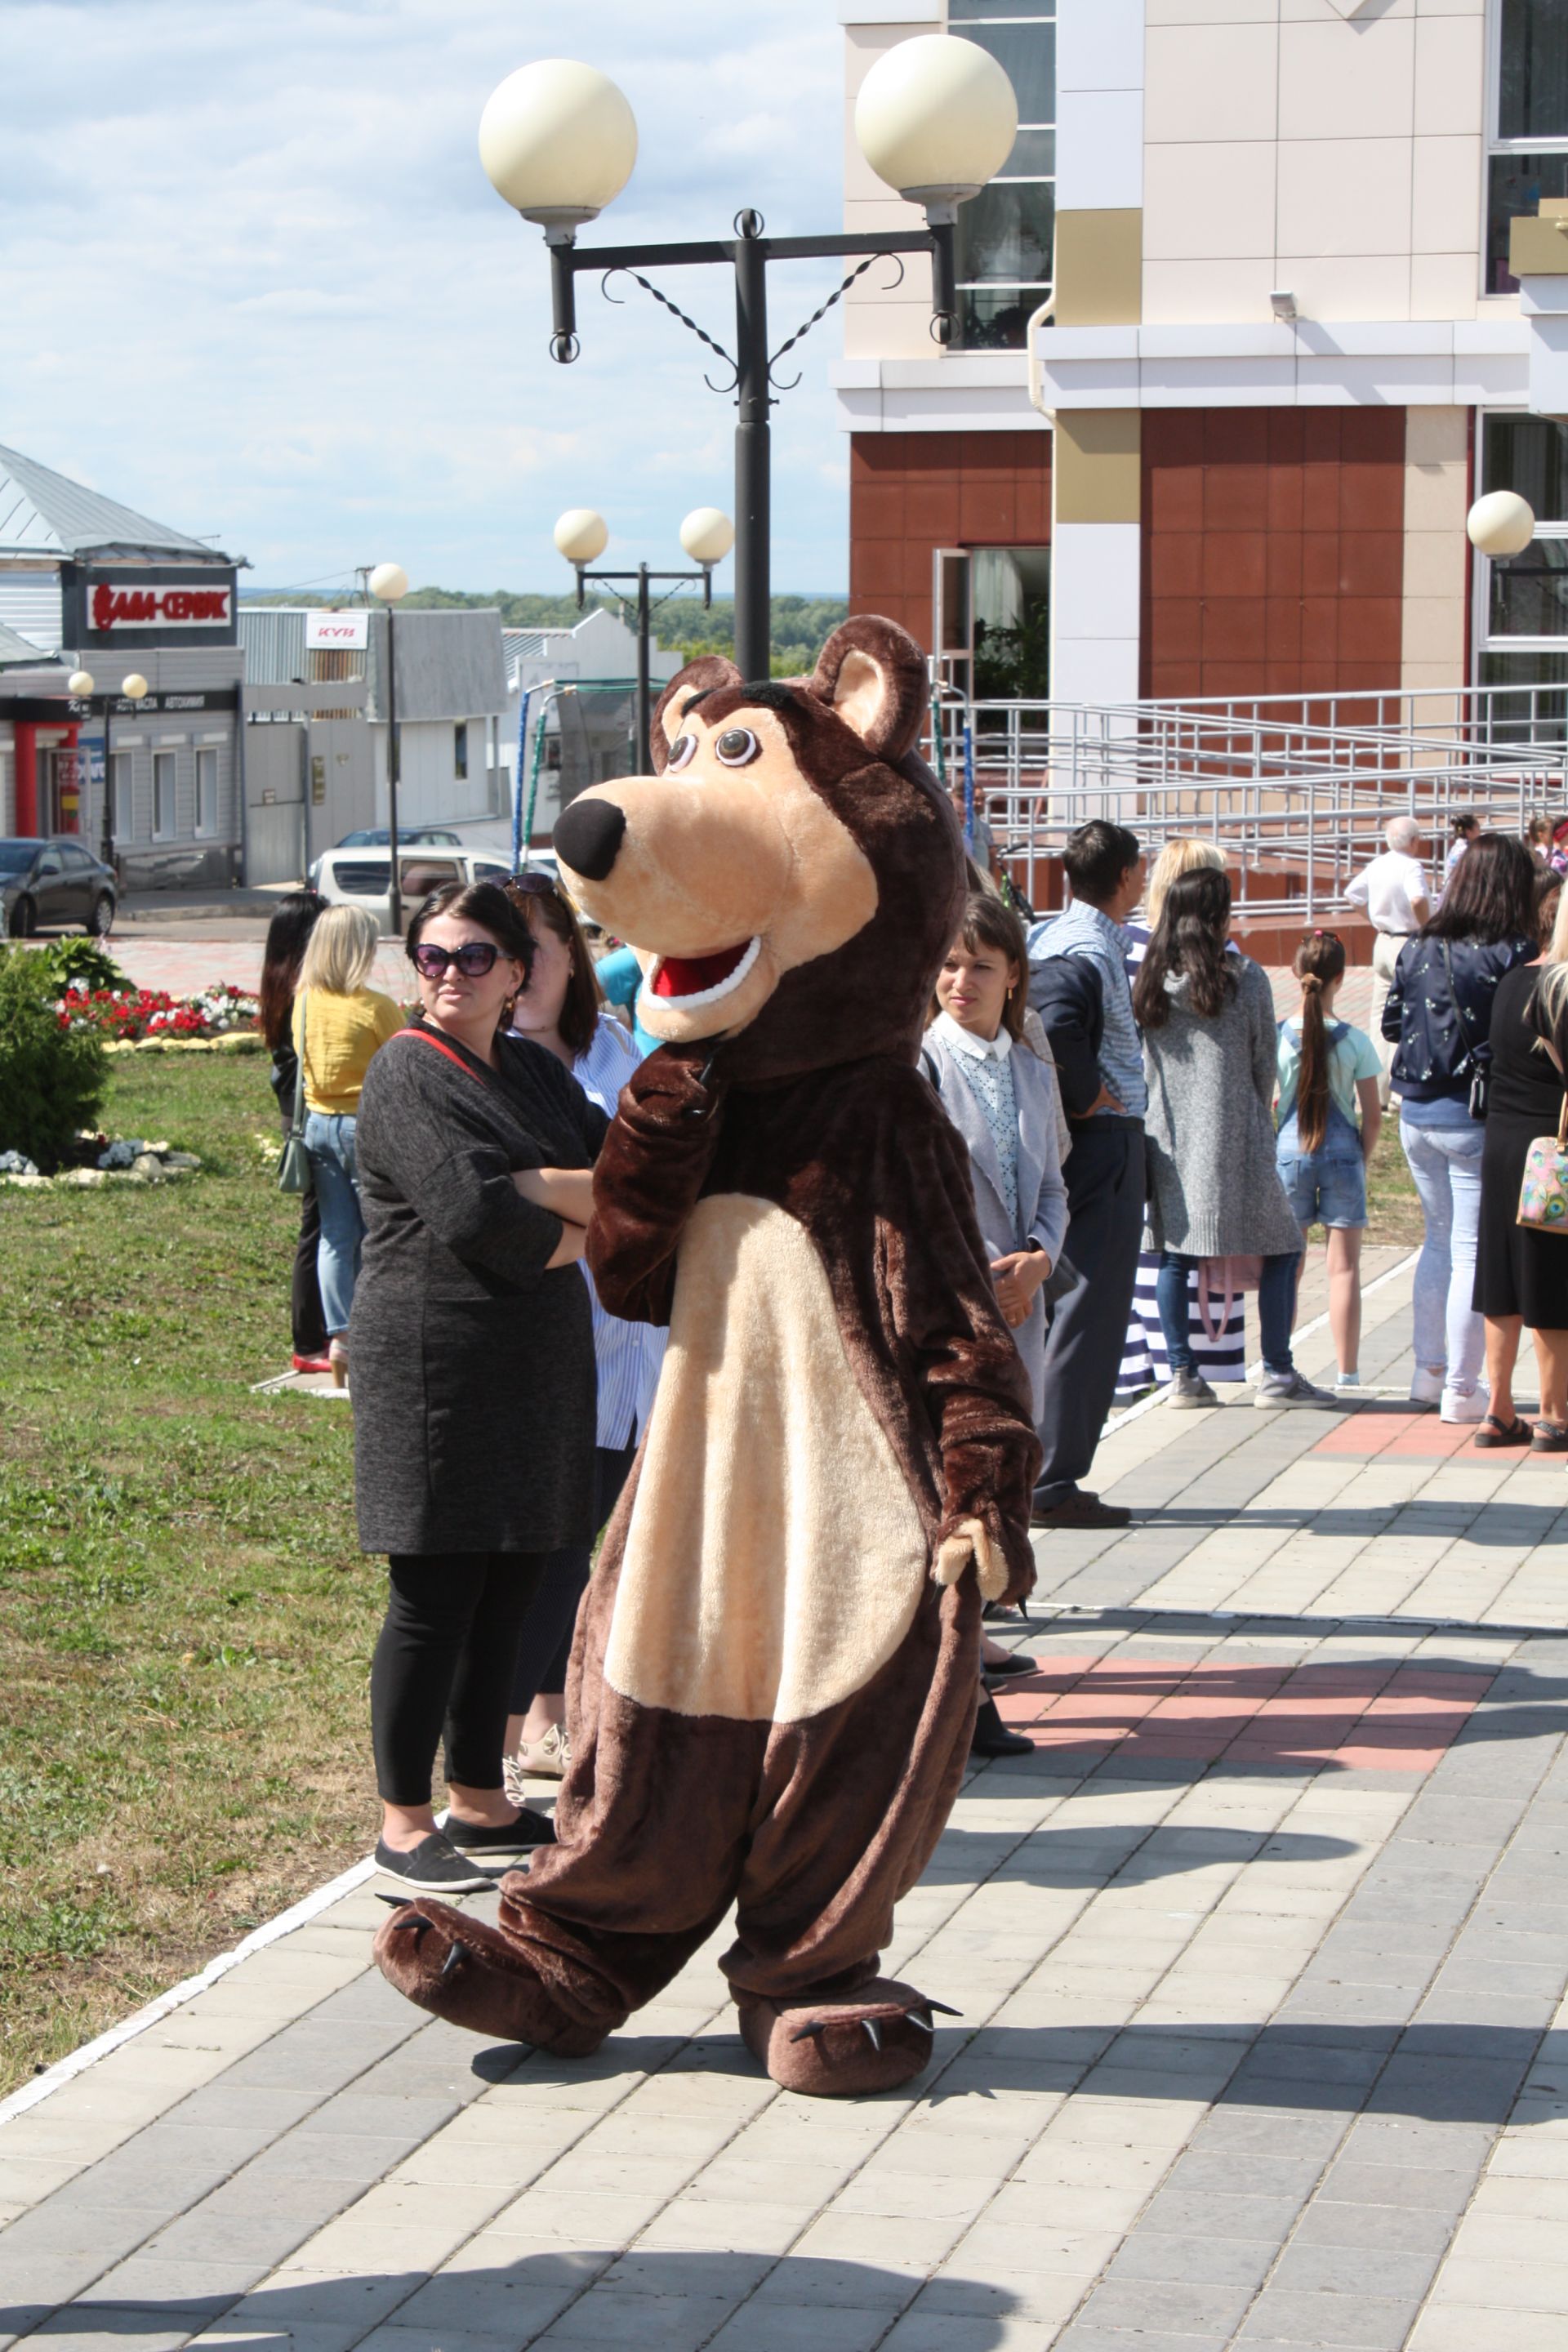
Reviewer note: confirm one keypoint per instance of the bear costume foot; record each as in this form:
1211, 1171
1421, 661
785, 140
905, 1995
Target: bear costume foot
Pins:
839, 2049
461, 1969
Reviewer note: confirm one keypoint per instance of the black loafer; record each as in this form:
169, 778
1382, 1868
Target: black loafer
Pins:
509, 1842
433, 1867
991, 1737
1006, 1668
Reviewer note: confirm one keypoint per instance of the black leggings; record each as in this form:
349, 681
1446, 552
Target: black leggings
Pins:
309, 1325
544, 1652
444, 1663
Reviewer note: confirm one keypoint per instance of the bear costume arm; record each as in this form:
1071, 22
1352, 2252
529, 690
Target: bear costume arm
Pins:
976, 1390
646, 1181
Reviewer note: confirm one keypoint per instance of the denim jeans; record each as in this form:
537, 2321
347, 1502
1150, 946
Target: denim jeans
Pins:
329, 1140
1276, 1306
1446, 1162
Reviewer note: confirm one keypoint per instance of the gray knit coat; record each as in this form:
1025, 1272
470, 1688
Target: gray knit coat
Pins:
1213, 1188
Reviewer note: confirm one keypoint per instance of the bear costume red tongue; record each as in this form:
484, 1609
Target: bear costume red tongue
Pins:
690, 975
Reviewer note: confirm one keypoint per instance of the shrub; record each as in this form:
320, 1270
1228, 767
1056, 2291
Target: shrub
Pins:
52, 1077
66, 960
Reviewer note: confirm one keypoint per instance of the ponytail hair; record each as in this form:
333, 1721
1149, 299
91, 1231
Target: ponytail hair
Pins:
1319, 964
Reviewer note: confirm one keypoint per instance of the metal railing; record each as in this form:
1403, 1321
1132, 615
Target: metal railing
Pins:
1294, 790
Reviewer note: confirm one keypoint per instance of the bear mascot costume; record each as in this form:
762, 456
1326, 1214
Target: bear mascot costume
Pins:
776, 1665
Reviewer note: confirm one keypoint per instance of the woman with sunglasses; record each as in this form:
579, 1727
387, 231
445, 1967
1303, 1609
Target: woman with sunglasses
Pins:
562, 1010
475, 1157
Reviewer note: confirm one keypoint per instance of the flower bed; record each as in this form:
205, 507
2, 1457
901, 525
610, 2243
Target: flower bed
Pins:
135, 1016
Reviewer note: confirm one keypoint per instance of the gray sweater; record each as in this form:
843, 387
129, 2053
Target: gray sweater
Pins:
472, 1365
1214, 1191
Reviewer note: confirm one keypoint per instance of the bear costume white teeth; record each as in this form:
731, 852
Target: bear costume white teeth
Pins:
666, 978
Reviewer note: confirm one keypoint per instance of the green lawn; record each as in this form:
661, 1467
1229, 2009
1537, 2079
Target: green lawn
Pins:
186, 1620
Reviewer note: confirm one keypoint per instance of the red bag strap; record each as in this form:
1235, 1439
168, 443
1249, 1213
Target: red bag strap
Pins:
456, 1059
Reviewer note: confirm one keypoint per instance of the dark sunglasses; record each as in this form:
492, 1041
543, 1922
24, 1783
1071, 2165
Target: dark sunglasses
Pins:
531, 884
473, 959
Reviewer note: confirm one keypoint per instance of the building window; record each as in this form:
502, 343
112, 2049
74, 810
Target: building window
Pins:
1006, 235
119, 814
1521, 602
1529, 157
206, 791
461, 750
164, 817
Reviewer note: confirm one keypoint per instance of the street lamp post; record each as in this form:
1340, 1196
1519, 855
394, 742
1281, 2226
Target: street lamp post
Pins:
388, 584
582, 536
936, 119
83, 687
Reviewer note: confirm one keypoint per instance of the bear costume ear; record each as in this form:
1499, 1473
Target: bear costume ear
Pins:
872, 674
700, 677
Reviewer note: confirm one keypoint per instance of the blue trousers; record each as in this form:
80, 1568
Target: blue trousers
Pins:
1276, 1306
329, 1140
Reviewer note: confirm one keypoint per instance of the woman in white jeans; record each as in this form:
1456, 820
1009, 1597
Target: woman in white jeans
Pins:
1439, 1010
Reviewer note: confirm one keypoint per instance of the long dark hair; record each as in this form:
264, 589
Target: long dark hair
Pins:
580, 1007
1320, 964
988, 922
293, 919
1189, 941
1490, 895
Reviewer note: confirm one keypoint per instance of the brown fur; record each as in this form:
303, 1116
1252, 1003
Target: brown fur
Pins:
790, 1109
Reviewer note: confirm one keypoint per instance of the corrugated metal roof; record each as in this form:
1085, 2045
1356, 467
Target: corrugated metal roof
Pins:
44, 513
14, 649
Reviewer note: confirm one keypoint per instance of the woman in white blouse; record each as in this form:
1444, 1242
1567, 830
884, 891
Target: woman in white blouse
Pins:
562, 1009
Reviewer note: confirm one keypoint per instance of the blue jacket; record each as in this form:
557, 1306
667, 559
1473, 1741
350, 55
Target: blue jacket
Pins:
1442, 1043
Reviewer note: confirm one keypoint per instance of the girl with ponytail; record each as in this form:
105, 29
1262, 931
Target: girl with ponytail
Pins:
1327, 1071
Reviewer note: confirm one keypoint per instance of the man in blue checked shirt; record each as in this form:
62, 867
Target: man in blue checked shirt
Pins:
1078, 984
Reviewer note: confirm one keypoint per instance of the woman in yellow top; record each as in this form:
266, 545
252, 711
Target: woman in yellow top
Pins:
339, 1024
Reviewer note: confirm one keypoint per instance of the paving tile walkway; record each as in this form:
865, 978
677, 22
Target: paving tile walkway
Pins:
1262, 1953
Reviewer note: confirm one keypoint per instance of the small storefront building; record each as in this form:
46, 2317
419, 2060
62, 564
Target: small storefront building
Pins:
150, 778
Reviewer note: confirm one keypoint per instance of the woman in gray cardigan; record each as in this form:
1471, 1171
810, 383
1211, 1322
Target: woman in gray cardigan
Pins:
470, 1322
1210, 1053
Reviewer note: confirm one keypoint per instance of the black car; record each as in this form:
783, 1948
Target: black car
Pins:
47, 884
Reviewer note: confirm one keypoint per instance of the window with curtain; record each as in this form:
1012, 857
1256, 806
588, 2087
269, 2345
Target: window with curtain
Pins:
1007, 234
1529, 156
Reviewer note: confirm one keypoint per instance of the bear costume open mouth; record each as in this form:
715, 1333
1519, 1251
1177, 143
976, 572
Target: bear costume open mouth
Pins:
687, 982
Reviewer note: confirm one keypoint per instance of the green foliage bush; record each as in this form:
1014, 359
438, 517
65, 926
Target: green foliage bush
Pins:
79, 959
52, 1079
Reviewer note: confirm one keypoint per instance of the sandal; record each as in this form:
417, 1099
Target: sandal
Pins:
1550, 1437
1493, 1432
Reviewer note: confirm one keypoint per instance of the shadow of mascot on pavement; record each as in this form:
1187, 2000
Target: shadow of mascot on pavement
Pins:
776, 1670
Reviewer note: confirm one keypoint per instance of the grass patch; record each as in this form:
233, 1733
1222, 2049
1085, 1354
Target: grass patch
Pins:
186, 1616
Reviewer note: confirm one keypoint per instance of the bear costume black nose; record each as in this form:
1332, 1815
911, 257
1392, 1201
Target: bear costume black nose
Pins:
588, 836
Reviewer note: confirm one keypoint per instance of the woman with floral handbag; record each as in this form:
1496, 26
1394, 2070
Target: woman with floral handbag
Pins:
1521, 1265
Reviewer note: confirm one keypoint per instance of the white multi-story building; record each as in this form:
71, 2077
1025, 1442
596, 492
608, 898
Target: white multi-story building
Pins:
1238, 344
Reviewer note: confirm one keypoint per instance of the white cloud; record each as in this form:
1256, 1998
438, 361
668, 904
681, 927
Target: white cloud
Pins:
256, 283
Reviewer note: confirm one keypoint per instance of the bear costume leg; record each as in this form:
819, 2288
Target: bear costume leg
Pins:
814, 1830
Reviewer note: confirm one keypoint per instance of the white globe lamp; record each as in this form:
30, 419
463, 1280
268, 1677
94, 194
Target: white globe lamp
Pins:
582, 536
707, 535
936, 118
558, 141
1500, 524
134, 686
389, 581
80, 684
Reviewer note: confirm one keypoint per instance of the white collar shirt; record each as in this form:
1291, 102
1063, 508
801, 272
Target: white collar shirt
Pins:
1388, 888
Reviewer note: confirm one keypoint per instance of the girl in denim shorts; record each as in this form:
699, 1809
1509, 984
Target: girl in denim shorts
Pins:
1326, 1072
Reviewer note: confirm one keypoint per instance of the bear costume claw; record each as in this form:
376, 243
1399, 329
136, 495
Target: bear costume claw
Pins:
878, 2041
461, 1969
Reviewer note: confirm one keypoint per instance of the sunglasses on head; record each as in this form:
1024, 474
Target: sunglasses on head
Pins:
531, 884
474, 959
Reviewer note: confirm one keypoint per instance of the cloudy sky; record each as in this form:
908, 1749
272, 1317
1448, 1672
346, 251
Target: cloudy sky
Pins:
255, 283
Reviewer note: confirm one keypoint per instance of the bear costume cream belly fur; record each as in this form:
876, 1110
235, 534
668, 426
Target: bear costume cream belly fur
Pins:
777, 1664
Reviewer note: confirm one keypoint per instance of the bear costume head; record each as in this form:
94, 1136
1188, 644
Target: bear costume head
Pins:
792, 876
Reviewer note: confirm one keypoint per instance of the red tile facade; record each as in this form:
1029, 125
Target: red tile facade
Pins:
911, 493
1274, 550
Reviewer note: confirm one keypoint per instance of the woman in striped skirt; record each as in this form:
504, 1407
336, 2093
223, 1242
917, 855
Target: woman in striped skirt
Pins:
561, 1009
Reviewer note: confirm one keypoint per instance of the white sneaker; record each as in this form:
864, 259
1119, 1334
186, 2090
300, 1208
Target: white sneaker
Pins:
1457, 1408
1427, 1387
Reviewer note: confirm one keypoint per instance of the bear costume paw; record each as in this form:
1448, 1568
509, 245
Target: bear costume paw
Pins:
830, 2049
462, 1969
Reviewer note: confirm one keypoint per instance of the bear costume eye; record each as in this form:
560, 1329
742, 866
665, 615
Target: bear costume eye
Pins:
736, 746
682, 751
